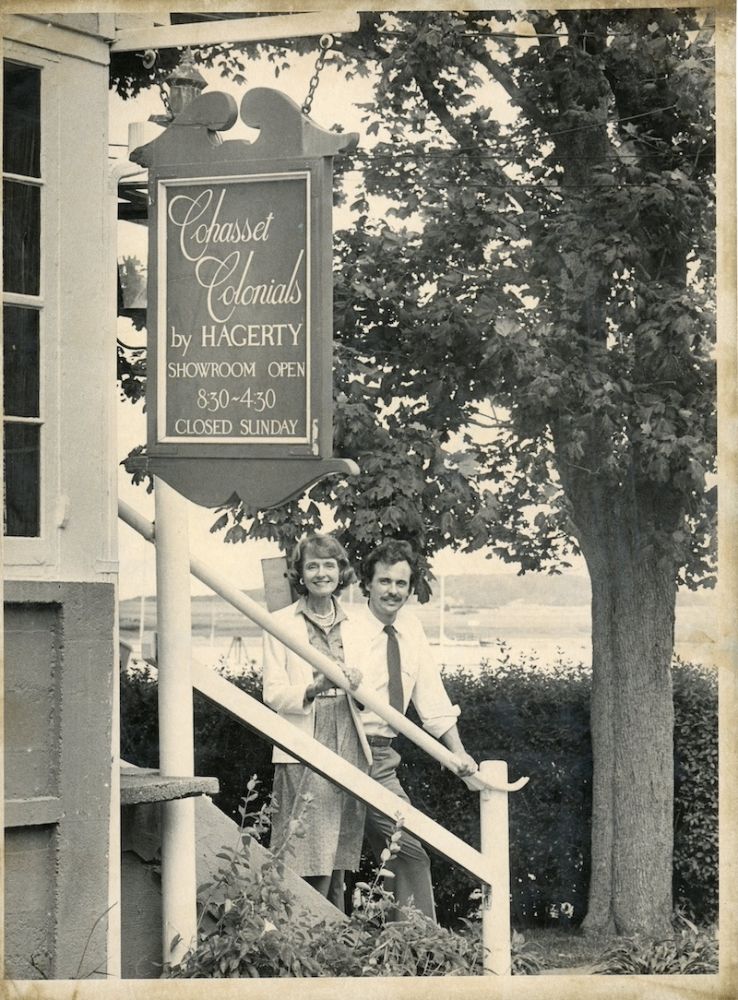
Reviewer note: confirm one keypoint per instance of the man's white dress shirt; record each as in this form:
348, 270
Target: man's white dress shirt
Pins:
421, 677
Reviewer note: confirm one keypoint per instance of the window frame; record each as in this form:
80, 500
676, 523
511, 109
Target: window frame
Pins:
38, 553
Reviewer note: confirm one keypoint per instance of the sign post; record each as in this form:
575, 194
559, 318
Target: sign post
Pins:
176, 725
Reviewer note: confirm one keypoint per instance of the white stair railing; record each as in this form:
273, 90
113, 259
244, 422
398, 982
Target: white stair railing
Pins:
490, 865
277, 730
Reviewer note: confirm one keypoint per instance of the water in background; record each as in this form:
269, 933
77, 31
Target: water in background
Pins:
543, 633
538, 617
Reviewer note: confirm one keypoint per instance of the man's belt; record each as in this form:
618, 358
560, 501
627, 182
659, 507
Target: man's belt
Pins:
379, 741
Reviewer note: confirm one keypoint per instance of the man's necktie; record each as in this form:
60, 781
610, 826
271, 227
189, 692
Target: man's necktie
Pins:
394, 669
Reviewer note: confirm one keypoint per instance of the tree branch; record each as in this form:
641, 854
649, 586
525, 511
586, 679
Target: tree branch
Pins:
439, 109
512, 90
544, 25
130, 347
479, 419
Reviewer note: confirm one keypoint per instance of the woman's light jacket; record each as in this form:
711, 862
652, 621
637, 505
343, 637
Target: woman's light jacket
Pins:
287, 675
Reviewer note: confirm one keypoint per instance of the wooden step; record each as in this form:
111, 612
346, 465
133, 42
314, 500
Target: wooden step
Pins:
142, 784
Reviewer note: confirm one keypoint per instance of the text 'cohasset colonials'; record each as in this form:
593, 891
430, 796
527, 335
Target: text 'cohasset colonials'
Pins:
239, 328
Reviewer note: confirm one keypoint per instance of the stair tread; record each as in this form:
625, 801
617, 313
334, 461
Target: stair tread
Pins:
139, 784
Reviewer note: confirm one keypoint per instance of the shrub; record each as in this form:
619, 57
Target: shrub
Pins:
696, 792
689, 951
139, 722
537, 720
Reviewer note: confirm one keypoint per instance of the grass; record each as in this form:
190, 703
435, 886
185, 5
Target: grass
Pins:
690, 949
566, 949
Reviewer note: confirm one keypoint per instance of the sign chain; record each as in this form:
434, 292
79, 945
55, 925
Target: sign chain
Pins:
165, 98
326, 41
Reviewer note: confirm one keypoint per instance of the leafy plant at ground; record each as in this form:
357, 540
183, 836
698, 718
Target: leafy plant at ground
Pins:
568, 947
372, 944
689, 951
527, 959
250, 926
535, 719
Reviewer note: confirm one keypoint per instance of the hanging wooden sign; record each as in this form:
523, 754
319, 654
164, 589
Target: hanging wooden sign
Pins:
240, 301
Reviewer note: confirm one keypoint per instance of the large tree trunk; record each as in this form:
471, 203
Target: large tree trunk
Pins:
618, 520
632, 718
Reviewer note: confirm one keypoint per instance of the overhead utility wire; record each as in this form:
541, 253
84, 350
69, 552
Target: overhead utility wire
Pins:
577, 128
550, 185
533, 36
491, 155
613, 121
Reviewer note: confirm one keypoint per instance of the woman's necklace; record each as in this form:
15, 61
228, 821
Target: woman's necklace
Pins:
326, 620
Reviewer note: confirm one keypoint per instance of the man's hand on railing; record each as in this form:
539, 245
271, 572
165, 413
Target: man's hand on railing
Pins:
465, 764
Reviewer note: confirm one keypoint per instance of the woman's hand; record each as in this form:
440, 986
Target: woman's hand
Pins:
353, 676
315, 687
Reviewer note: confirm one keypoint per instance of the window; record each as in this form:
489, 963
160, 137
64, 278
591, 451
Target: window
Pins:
22, 303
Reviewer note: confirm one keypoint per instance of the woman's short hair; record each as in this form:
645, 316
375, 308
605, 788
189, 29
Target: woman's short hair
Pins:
389, 552
325, 547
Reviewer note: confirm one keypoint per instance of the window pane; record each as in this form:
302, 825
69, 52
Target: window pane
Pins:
22, 507
20, 361
22, 120
21, 237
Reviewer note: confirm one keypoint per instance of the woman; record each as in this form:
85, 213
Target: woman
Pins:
334, 825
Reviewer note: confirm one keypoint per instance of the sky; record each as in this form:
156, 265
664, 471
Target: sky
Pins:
240, 563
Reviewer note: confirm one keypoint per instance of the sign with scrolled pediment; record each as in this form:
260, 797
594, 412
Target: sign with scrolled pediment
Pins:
240, 301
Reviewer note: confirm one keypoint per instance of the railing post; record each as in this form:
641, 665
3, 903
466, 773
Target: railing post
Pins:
495, 846
176, 750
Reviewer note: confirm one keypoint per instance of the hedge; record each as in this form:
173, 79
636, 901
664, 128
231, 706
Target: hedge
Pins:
538, 721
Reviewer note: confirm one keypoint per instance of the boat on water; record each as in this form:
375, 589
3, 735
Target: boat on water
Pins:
451, 641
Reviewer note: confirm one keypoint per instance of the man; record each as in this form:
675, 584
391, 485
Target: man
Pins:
399, 667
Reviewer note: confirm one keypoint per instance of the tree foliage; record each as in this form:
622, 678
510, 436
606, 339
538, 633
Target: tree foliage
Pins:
524, 297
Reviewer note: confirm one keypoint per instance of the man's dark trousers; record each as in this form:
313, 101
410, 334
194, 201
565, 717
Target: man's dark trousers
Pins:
411, 866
